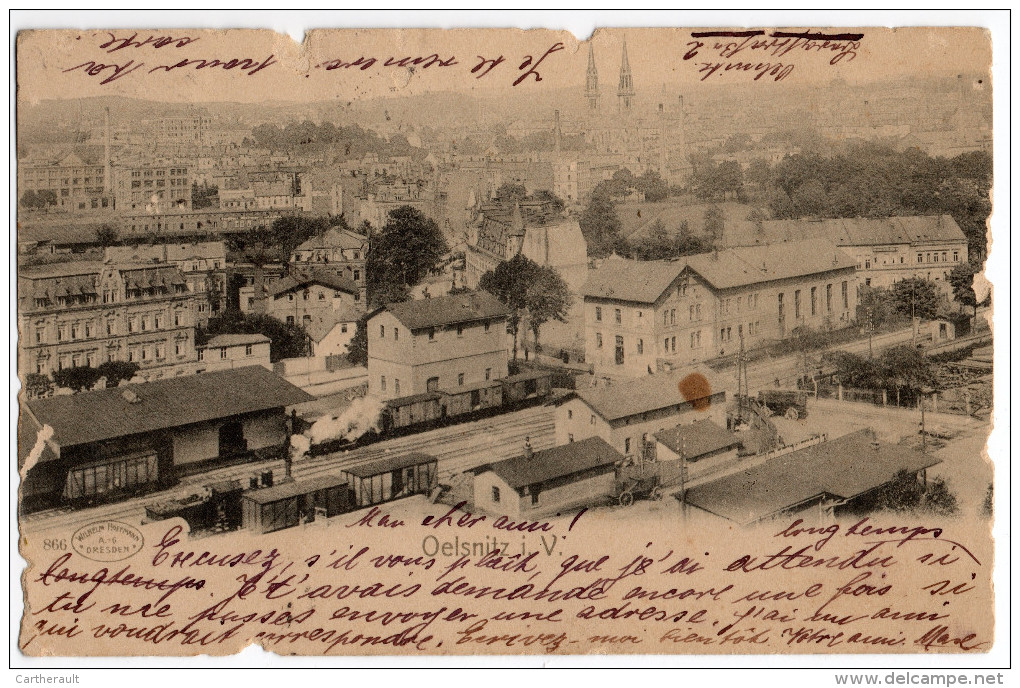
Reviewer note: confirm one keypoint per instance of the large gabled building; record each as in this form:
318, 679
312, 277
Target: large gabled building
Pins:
439, 343
646, 316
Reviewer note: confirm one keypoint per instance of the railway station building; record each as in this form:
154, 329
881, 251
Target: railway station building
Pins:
107, 444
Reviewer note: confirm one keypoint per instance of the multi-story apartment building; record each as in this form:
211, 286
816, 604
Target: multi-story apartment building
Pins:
645, 316
439, 343
84, 314
886, 249
307, 296
77, 181
336, 250
203, 264
154, 187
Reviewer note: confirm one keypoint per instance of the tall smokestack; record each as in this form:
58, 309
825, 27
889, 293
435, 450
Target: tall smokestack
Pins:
557, 135
107, 163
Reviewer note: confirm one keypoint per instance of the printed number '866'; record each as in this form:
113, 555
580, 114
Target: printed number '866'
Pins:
59, 545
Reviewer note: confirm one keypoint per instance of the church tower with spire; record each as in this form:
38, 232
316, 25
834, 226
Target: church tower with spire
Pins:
591, 83
625, 92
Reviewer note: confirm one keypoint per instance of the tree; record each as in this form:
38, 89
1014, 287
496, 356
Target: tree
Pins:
106, 235
906, 366
905, 493
510, 193
357, 348
916, 297
38, 385
408, 247
853, 370
547, 196
715, 222
286, 341
116, 372
962, 281
509, 282
77, 378
600, 225
547, 298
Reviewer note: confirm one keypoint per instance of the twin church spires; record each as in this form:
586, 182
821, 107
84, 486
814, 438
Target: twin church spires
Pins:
625, 90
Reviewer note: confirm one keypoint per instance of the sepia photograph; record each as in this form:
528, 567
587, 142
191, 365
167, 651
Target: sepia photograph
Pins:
447, 342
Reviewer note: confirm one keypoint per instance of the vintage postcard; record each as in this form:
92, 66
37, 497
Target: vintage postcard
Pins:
500, 342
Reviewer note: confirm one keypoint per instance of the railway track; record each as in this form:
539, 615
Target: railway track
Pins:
457, 448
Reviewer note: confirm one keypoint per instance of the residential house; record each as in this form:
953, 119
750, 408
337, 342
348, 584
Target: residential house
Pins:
438, 343
110, 443
226, 351
627, 414
337, 250
571, 475
302, 296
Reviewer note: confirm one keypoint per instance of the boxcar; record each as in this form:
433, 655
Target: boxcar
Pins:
392, 478
483, 395
403, 412
289, 504
526, 386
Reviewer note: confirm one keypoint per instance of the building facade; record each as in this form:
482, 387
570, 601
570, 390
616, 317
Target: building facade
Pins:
85, 314
304, 297
439, 343
227, 351
336, 250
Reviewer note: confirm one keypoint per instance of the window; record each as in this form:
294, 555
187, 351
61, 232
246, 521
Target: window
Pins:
357, 275
814, 293
828, 298
304, 295
672, 344
592, 421
382, 331
919, 258
598, 313
665, 345
780, 305
570, 414
201, 355
672, 316
382, 382
626, 445
131, 324
460, 330
247, 349
697, 312
944, 257
160, 352
322, 296
796, 304
640, 346
690, 316
956, 256
486, 327
343, 328
495, 495
619, 350
570, 437
290, 297
396, 334
665, 316
290, 319
598, 340
74, 330
618, 315
867, 282
432, 334
145, 323
460, 379
534, 495
846, 302
396, 385
488, 373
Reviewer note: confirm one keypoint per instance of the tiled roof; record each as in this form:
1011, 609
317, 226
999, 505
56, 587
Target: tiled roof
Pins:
697, 439
737, 267
237, 340
844, 468
447, 310
298, 279
152, 406
859, 231
335, 237
662, 390
639, 281
390, 463
558, 462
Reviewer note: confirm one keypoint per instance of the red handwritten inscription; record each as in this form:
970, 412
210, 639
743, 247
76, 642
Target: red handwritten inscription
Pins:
696, 390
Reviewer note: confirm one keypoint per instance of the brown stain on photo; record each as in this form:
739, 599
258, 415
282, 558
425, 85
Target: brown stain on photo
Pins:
696, 390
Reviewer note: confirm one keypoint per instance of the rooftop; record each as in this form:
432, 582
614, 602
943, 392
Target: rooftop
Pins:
697, 439
335, 237
842, 468
447, 310
639, 281
151, 406
737, 267
389, 464
858, 231
237, 340
650, 393
299, 279
558, 462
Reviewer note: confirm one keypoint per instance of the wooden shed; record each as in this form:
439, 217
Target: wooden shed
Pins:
288, 504
392, 478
